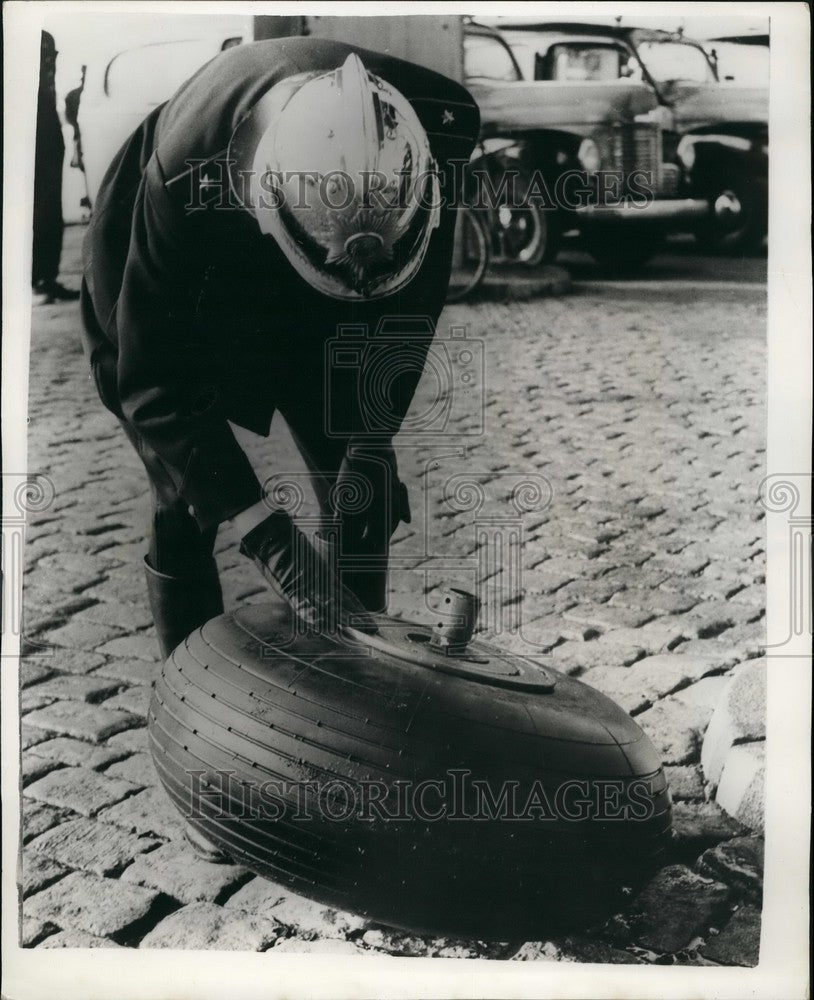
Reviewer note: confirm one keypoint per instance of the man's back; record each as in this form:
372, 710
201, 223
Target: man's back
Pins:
210, 265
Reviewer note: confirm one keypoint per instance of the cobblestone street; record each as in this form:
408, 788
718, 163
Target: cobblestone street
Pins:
623, 432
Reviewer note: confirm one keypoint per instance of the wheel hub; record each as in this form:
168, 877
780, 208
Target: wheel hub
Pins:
727, 206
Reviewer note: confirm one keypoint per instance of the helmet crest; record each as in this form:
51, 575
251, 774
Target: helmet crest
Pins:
354, 181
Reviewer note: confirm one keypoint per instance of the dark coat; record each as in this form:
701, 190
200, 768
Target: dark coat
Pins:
193, 318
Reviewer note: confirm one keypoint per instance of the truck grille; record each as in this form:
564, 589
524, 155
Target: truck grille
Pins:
636, 147
670, 180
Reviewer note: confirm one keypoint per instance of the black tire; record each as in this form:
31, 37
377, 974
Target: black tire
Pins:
236, 700
739, 213
520, 230
525, 235
470, 256
623, 249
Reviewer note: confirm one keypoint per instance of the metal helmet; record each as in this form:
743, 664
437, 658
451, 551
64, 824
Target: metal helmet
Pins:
337, 167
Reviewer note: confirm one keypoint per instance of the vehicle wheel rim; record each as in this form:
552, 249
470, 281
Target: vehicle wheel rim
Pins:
523, 234
728, 207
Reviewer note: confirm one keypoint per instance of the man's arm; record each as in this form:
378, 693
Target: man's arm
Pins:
165, 386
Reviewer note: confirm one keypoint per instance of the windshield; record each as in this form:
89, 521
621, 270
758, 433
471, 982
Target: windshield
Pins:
670, 61
744, 64
550, 56
487, 58
586, 62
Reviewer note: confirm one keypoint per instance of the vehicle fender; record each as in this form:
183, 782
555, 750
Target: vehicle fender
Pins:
706, 156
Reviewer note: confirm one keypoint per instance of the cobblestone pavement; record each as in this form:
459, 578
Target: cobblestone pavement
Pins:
643, 574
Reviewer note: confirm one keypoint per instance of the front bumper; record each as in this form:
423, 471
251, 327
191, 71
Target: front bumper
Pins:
658, 210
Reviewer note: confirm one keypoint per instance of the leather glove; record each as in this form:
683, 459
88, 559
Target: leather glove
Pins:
369, 500
301, 576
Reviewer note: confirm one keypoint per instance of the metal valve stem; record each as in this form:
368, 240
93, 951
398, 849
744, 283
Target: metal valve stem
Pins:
460, 610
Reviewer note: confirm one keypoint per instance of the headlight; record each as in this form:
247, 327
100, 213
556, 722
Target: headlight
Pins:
589, 156
686, 152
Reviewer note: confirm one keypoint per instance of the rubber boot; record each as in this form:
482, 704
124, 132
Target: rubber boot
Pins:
181, 604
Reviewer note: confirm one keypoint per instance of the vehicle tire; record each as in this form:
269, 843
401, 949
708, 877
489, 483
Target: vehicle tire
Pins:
470, 256
739, 213
524, 235
263, 737
621, 250
520, 231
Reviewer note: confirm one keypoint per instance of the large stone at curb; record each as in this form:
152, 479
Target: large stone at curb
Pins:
739, 942
737, 862
705, 694
674, 907
205, 925
739, 717
741, 791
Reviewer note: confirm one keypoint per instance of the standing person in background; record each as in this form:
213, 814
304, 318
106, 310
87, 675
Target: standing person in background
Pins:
48, 161
72, 99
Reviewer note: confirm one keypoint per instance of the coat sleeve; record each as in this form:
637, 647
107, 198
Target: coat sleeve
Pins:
162, 378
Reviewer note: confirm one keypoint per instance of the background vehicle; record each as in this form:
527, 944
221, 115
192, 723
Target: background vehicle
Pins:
717, 131
577, 112
520, 231
124, 87
724, 138
740, 58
